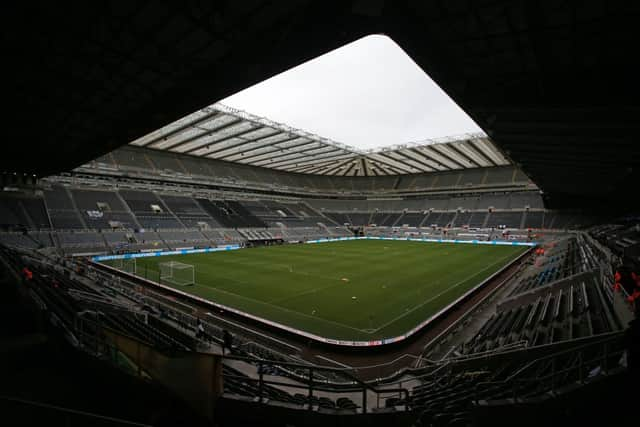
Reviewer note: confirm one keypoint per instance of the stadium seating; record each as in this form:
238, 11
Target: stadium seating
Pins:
25, 239
534, 219
189, 212
413, 219
564, 259
153, 163
463, 219
557, 315
506, 219
102, 209
555, 298
76, 242
182, 238
22, 211
142, 204
11, 214
231, 213
275, 213
493, 201
446, 397
122, 219
61, 209
529, 200
621, 239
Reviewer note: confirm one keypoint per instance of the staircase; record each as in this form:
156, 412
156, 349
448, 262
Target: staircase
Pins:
398, 221
486, 220
75, 208
128, 209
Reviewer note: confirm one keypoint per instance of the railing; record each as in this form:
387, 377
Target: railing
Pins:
554, 372
311, 385
289, 378
523, 358
517, 345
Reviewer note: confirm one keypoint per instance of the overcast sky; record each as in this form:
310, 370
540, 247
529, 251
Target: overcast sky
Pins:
366, 94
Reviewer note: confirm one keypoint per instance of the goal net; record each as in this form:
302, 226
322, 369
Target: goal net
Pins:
177, 273
128, 265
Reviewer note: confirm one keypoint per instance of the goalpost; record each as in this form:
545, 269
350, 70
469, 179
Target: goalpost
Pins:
177, 273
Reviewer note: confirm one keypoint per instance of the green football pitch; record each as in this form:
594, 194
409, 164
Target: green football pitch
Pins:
357, 290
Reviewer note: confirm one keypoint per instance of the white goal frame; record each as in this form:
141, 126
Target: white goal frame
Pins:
177, 273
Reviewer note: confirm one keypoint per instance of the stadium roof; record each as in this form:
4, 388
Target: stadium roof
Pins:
224, 133
554, 84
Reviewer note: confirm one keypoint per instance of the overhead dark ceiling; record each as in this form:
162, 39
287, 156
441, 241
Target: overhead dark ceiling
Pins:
553, 83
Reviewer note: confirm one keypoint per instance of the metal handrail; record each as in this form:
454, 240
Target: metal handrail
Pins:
310, 382
579, 351
403, 393
339, 371
511, 346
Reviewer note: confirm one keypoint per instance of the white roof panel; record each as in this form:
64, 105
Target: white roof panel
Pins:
224, 133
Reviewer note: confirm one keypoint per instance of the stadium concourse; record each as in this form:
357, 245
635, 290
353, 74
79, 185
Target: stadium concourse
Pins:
553, 304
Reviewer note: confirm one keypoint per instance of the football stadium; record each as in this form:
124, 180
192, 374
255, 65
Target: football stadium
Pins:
309, 213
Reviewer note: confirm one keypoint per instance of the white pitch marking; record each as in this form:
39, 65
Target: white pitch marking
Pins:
443, 292
288, 310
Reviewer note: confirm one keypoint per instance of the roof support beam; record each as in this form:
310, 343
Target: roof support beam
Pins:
381, 158
349, 169
331, 155
209, 132
255, 145
489, 151
310, 169
411, 155
392, 155
226, 138
464, 156
366, 170
305, 152
245, 141
400, 157
440, 163
316, 160
336, 167
285, 151
158, 135
438, 148
310, 166
472, 148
